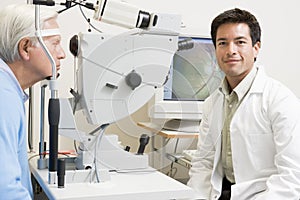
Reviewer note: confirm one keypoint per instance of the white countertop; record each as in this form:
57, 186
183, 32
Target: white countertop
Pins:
149, 185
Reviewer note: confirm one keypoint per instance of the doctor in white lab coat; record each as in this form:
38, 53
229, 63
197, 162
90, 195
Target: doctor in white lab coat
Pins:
264, 128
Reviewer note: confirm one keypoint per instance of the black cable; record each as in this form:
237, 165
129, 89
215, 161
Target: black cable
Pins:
75, 3
67, 8
87, 5
88, 20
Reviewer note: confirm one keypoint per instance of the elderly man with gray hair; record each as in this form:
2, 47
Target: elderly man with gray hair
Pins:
22, 64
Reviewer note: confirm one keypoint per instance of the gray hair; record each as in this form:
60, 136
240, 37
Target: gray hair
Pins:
16, 23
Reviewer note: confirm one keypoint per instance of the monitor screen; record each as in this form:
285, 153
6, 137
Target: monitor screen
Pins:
194, 75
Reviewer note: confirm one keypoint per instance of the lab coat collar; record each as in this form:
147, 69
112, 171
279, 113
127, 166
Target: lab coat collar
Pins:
243, 87
259, 81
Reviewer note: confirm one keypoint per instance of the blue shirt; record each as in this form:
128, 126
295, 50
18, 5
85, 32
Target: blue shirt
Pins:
15, 180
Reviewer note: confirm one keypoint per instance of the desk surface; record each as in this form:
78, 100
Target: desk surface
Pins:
122, 186
166, 133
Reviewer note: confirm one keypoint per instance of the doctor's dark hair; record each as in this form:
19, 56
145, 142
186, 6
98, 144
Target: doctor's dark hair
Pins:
237, 15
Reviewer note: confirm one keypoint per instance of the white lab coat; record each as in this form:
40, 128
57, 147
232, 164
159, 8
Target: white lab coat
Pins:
265, 140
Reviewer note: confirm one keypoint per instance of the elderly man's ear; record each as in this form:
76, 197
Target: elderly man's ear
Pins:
23, 48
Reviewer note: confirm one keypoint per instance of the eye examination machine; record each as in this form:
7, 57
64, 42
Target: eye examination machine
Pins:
115, 76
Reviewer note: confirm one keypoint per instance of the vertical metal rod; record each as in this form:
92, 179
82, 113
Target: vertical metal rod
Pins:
42, 123
30, 121
42, 162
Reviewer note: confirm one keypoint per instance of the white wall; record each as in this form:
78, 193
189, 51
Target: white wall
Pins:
279, 54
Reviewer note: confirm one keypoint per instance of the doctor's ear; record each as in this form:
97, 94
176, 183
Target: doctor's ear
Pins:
256, 49
23, 48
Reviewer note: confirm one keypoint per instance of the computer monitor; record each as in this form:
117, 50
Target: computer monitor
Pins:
194, 75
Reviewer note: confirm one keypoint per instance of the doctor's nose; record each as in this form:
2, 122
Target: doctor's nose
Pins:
231, 49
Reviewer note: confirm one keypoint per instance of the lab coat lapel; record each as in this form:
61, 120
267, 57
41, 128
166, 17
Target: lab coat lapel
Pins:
217, 117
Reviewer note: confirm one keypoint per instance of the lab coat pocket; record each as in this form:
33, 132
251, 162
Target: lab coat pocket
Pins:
262, 150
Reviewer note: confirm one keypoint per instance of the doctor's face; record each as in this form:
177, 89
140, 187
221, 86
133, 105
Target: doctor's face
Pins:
234, 51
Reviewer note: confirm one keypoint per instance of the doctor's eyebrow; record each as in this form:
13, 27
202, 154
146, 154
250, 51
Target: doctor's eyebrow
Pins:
237, 38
